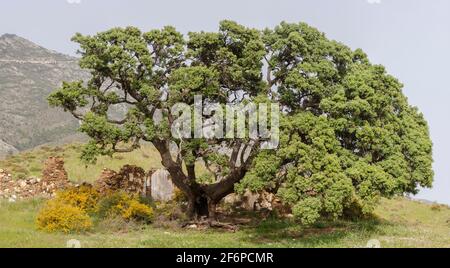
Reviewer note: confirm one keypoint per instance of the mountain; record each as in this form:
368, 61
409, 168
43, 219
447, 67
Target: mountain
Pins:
28, 74
6, 149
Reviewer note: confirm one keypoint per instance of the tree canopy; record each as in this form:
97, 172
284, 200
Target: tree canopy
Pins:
347, 133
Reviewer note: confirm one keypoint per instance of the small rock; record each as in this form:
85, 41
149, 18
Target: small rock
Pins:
192, 226
22, 183
11, 200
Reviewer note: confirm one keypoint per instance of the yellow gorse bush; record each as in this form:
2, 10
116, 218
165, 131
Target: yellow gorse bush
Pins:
135, 210
57, 216
70, 210
84, 197
126, 206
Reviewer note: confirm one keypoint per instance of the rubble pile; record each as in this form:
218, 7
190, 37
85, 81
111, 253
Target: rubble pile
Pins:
54, 178
257, 202
131, 179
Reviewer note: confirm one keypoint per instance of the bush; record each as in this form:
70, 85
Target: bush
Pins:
307, 210
179, 196
57, 216
69, 211
439, 207
170, 211
84, 197
126, 206
21, 176
133, 210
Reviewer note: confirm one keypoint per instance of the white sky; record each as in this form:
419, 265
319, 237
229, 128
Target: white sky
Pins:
410, 37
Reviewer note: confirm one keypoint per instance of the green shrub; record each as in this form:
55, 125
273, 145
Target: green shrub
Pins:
21, 176
307, 210
169, 211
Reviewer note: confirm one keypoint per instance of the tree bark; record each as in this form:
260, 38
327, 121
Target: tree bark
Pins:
202, 199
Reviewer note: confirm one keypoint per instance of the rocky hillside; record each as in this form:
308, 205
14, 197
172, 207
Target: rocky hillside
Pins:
7, 149
28, 74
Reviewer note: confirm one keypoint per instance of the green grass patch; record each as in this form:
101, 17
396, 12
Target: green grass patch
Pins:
399, 223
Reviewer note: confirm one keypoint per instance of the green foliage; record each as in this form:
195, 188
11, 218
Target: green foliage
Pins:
347, 133
71, 96
348, 136
308, 210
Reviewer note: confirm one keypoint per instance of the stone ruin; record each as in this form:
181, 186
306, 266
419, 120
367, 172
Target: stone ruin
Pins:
257, 202
54, 178
162, 188
133, 179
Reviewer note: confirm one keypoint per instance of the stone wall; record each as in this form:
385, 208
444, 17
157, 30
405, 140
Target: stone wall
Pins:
162, 188
54, 178
131, 179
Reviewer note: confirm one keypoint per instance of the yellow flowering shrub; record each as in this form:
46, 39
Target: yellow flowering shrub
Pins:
70, 210
179, 196
57, 216
133, 210
84, 197
126, 206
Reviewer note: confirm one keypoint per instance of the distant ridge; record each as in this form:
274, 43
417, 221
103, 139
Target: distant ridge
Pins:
28, 74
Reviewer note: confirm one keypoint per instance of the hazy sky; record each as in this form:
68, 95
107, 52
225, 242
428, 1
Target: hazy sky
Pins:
410, 37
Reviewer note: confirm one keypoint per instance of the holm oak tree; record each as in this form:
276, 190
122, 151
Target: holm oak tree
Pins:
347, 135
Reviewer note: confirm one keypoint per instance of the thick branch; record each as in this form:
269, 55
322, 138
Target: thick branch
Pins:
174, 168
221, 189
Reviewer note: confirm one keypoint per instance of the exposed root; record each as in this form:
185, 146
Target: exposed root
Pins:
207, 224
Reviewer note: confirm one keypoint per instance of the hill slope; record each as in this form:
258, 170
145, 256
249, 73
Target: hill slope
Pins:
28, 74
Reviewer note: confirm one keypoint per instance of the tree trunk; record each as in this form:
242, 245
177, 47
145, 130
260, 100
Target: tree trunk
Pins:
202, 199
202, 206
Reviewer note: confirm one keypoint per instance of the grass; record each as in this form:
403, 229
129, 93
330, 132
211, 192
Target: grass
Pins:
399, 223
31, 163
